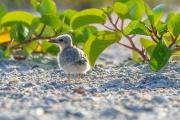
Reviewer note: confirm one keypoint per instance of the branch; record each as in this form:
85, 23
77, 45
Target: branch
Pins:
32, 40
108, 27
155, 33
151, 31
133, 36
173, 40
125, 45
152, 37
42, 30
114, 25
117, 21
122, 25
35, 38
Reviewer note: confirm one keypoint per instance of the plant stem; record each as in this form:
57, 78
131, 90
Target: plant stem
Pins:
125, 45
114, 25
152, 37
117, 21
122, 25
132, 47
108, 27
42, 30
32, 40
155, 33
35, 38
173, 40
151, 31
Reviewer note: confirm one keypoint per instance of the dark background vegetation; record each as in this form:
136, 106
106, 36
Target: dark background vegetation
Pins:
82, 4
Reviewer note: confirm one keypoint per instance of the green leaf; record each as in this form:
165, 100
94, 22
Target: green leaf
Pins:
122, 1
158, 13
29, 48
148, 45
132, 9
35, 4
169, 16
136, 27
82, 34
48, 7
108, 10
17, 16
174, 25
88, 16
136, 57
160, 56
64, 29
51, 20
167, 38
161, 28
34, 25
1, 52
19, 32
48, 31
136, 9
7, 52
97, 43
67, 15
3, 10
50, 48
154, 15
120, 9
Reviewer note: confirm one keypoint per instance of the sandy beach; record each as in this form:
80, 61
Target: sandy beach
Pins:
38, 90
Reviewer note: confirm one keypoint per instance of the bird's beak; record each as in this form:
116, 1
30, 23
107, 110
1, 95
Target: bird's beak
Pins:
53, 40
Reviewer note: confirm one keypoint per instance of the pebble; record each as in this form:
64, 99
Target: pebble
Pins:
109, 113
125, 91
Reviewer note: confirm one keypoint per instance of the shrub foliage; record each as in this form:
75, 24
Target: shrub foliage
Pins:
23, 33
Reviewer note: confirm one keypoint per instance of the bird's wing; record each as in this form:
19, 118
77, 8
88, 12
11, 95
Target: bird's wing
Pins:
72, 55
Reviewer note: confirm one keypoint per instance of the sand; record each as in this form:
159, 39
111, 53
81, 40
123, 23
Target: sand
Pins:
38, 90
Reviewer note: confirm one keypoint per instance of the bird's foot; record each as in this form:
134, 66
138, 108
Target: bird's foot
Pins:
69, 77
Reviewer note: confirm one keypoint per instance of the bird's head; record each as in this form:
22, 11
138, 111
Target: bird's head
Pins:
62, 40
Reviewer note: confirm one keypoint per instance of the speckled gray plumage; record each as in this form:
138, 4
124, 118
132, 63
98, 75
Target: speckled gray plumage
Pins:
72, 56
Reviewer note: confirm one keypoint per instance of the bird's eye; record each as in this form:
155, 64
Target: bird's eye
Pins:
60, 39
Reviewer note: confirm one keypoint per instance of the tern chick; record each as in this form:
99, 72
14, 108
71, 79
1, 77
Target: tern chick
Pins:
72, 59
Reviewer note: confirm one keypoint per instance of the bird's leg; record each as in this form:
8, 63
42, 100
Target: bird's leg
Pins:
79, 76
69, 77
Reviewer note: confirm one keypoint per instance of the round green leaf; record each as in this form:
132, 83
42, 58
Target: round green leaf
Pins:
160, 56
158, 13
96, 44
136, 9
19, 32
135, 27
108, 10
154, 15
67, 15
174, 25
17, 16
48, 31
51, 20
88, 16
120, 9
148, 45
82, 34
48, 7
3, 10
50, 48
29, 48
35, 4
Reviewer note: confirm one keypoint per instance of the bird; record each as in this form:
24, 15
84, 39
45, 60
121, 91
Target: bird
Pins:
72, 59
